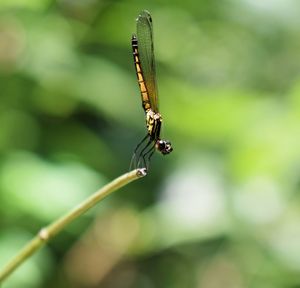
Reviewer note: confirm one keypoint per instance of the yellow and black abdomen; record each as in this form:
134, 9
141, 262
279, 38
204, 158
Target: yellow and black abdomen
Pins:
139, 73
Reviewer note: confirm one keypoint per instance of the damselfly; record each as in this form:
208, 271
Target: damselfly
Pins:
143, 54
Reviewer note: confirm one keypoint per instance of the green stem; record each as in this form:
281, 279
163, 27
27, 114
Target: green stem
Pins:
48, 232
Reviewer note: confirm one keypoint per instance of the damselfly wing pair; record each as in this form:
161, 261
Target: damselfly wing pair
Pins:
144, 61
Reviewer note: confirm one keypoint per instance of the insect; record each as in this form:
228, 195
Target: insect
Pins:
144, 62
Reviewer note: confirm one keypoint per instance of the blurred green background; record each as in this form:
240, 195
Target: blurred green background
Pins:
223, 210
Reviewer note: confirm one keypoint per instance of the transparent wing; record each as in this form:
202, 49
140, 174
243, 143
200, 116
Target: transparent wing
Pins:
146, 53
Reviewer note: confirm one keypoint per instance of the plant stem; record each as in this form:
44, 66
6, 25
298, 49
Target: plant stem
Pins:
48, 232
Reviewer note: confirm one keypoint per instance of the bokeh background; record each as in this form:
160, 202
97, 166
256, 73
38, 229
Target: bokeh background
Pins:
223, 210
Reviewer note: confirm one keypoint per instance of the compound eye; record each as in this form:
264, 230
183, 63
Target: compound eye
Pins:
164, 147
